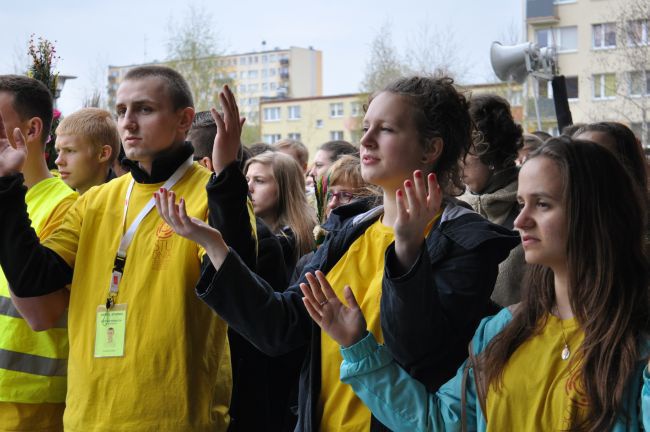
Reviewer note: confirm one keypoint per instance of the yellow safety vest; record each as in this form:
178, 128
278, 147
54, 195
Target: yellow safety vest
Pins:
33, 365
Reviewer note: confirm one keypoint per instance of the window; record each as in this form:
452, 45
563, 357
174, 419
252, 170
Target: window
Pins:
242, 88
639, 83
265, 73
572, 87
604, 35
336, 135
253, 87
564, 39
336, 109
265, 58
293, 112
252, 74
319, 124
637, 32
242, 60
272, 72
271, 138
242, 75
272, 114
604, 86
272, 86
272, 57
265, 86
355, 109
233, 75
294, 136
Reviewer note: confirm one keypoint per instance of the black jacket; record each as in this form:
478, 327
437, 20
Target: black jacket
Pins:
263, 386
453, 281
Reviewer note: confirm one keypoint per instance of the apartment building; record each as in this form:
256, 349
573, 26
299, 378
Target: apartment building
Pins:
602, 50
316, 120
312, 120
279, 73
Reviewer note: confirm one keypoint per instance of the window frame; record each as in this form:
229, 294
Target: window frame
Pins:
603, 34
603, 88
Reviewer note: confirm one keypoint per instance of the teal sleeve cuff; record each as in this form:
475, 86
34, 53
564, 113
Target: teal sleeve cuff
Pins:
361, 349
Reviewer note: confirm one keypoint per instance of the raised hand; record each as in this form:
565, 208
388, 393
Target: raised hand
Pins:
229, 127
175, 215
346, 325
11, 159
413, 215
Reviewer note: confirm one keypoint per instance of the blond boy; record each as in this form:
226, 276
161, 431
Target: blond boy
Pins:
87, 144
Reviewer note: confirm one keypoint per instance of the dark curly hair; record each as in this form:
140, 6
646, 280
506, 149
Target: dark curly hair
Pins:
500, 135
439, 111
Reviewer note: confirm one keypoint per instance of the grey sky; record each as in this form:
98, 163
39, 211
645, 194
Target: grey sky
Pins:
91, 35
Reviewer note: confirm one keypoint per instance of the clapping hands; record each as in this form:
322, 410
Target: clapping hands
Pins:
345, 324
229, 126
12, 158
414, 212
175, 215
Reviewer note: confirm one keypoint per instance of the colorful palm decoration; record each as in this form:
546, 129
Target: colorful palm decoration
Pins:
43, 55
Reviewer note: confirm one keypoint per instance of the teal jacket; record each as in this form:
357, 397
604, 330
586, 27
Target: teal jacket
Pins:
403, 403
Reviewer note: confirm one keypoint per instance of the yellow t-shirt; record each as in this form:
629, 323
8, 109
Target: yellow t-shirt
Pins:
28, 401
175, 373
540, 392
361, 267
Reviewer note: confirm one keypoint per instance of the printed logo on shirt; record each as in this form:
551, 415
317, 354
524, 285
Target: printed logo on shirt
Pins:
162, 252
164, 231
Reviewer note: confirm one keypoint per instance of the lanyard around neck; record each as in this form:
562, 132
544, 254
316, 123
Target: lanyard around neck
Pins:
127, 238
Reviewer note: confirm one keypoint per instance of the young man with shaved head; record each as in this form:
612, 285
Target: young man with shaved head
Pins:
167, 367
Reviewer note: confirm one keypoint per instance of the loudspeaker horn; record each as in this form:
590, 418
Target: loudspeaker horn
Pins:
512, 62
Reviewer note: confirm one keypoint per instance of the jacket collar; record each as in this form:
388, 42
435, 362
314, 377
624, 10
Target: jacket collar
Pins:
163, 166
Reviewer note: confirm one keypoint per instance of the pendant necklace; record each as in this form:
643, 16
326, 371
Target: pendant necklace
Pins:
566, 353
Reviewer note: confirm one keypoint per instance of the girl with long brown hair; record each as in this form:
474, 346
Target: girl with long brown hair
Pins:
573, 355
276, 186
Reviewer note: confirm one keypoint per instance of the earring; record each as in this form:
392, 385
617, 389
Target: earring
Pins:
491, 167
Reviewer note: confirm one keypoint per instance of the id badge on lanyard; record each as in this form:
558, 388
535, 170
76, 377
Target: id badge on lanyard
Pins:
110, 325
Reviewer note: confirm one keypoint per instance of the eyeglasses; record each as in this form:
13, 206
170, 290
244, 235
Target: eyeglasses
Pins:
342, 197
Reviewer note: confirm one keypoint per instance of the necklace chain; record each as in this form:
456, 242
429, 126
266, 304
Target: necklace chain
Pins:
566, 352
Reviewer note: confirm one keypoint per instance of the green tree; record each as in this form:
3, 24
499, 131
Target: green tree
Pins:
194, 50
250, 134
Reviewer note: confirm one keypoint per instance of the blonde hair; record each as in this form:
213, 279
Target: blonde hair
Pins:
347, 171
293, 209
93, 125
301, 150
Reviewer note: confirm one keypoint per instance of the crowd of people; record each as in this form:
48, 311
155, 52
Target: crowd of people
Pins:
447, 272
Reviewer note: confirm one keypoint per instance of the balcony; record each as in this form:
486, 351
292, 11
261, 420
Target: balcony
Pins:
540, 12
